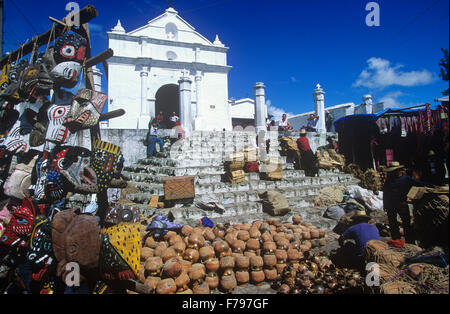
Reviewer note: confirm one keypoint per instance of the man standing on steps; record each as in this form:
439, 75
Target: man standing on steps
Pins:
174, 119
308, 160
153, 139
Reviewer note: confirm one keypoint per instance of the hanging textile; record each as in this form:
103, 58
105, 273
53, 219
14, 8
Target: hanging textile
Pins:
428, 119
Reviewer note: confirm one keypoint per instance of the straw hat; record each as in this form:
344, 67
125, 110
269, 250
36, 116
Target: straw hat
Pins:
361, 215
431, 153
394, 166
302, 131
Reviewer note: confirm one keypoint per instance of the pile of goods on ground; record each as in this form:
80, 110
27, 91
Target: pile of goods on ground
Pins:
234, 168
204, 260
330, 196
407, 270
329, 159
370, 179
271, 169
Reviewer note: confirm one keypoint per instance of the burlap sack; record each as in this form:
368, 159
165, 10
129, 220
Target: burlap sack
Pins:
274, 203
397, 287
387, 273
371, 248
330, 196
389, 257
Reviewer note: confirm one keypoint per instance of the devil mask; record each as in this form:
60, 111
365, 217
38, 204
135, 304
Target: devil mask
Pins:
106, 160
85, 110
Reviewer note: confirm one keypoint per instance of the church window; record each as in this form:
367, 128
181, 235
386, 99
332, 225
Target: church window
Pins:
171, 55
171, 31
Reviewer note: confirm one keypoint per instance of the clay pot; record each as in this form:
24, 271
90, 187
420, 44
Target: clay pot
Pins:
303, 248
284, 289
267, 237
212, 280
179, 247
256, 262
146, 252
160, 248
238, 246
227, 262
308, 244
182, 281
168, 235
197, 272
221, 248
185, 265
315, 234
152, 282
201, 289
212, 265
228, 283
172, 268
256, 224
242, 277
166, 286
293, 255
153, 266
253, 244
280, 268
167, 254
322, 242
191, 255
269, 247
249, 253
306, 235
270, 274
322, 233
270, 260
254, 233
296, 220
209, 235
242, 262
283, 244
243, 235
188, 291
151, 243
206, 253
257, 277
272, 228
281, 256
264, 227
174, 239
219, 233
142, 272
196, 240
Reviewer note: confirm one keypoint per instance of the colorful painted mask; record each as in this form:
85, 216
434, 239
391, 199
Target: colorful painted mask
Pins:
4, 78
120, 252
106, 160
86, 108
21, 224
40, 254
39, 177
123, 213
18, 183
17, 141
35, 81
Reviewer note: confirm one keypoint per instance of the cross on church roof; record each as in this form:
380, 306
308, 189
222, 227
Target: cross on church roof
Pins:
169, 3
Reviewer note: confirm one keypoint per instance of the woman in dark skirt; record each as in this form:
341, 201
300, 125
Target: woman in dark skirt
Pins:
308, 159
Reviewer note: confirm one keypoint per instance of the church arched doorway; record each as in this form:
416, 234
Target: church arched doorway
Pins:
167, 101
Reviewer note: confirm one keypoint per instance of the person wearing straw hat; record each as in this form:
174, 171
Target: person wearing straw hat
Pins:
307, 158
395, 193
434, 171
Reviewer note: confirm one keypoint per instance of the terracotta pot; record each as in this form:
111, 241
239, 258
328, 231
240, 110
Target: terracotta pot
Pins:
188, 291
206, 252
253, 244
242, 262
283, 244
270, 274
256, 224
322, 242
303, 248
254, 233
243, 235
146, 252
201, 289
196, 240
322, 233
257, 277
315, 234
185, 265
264, 227
246, 226
229, 238
293, 255
160, 248
221, 248
272, 228
284, 289
227, 262
269, 247
298, 235
281, 256
179, 247
209, 235
219, 233
142, 272
168, 235
168, 253
270, 260
172, 268
174, 239
280, 268
197, 230
296, 220
242, 277
182, 281
256, 262
294, 245
152, 282
166, 286
153, 266
306, 235
238, 246
197, 272
151, 243
191, 255
212, 265
266, 237
212, 280
249, 253
290, 237
228, 283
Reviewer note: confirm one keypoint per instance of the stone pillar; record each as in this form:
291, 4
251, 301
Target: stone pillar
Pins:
97, 79
144, 111
200, 121
185, 102
260, 107
368, 104
319, 107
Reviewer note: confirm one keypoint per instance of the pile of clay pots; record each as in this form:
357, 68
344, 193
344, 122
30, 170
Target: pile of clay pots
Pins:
316, 274
202, 260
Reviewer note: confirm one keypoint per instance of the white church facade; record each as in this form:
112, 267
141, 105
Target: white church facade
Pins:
167, 66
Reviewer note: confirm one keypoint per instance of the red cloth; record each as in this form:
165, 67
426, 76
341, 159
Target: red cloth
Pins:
400, 243
303, 144
251, 166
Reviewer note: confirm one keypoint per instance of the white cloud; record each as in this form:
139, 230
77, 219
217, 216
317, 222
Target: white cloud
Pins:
391, 99
293, 79
380, 74
276, 112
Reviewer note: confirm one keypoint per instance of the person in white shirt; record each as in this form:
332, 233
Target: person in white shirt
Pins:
284, 124
174, 119
153, 138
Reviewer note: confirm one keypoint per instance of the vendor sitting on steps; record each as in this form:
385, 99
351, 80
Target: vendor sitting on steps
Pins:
153, 139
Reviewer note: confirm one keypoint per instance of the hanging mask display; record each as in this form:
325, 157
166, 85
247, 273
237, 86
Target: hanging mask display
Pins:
4, 78
123, 213
69, 54
18, 183
120, 252
5, 163
40, 253
75, 238
106, 160
17, 141
21, 224
39, 177
35, 81
54, 186
85, 109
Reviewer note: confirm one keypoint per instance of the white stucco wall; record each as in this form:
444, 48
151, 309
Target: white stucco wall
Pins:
243, 109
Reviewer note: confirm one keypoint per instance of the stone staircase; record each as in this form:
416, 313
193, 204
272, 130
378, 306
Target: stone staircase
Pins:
202, 156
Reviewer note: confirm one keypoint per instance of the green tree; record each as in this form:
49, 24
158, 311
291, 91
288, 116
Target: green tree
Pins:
444, 68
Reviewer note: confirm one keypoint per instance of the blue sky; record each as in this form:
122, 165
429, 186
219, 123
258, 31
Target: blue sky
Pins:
290, 45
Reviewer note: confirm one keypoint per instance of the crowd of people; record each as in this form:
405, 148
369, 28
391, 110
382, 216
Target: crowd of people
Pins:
157, 123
